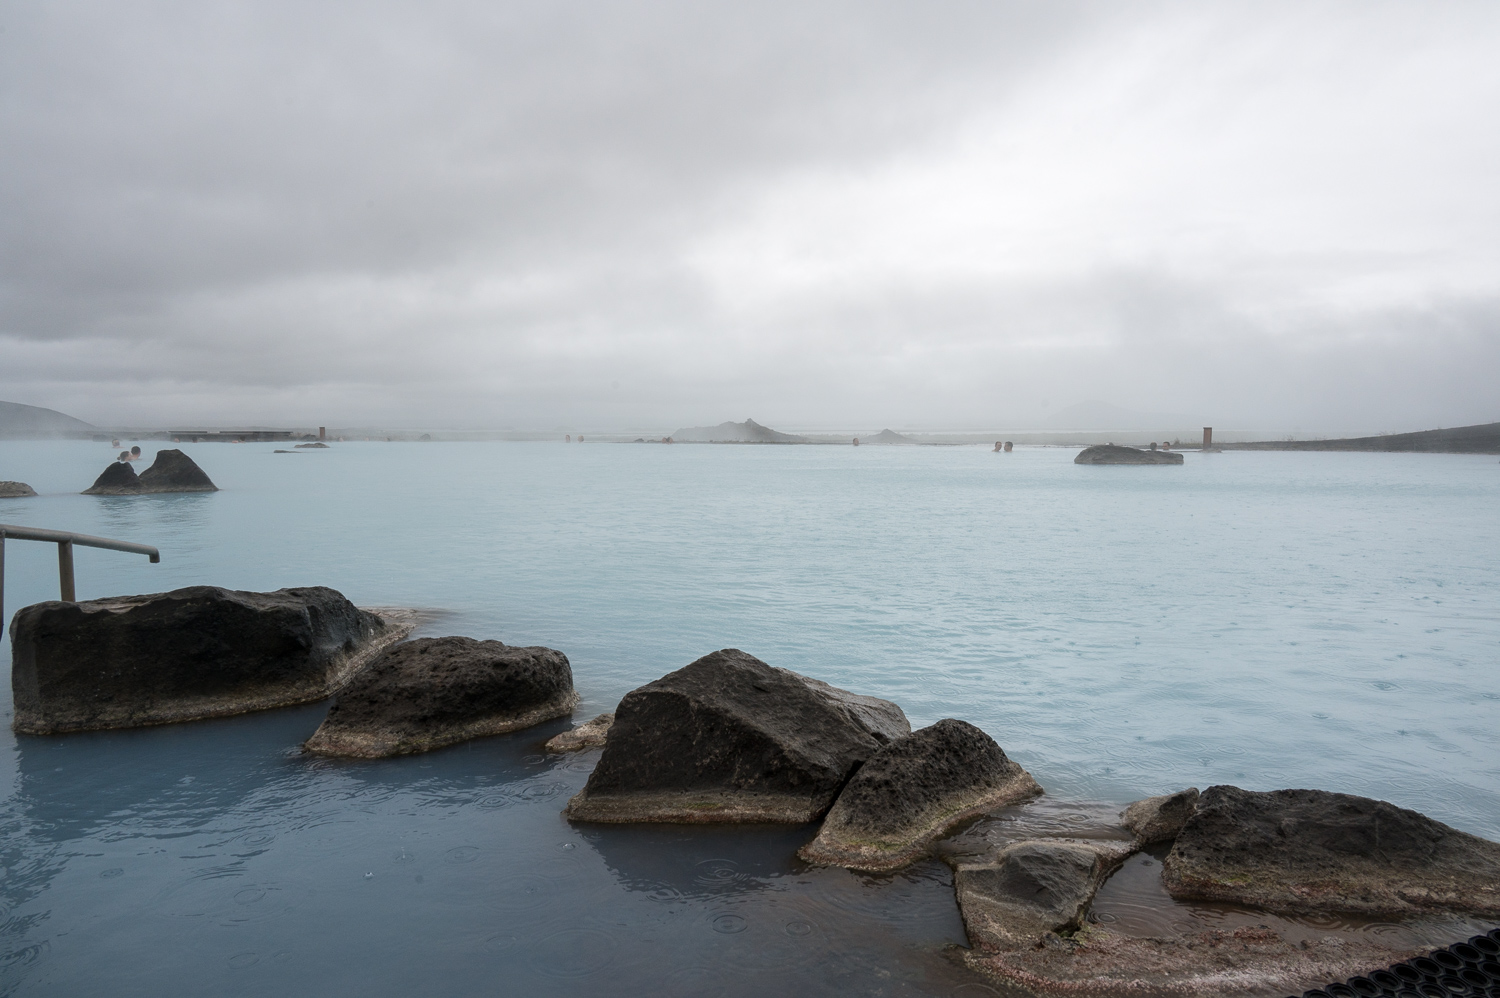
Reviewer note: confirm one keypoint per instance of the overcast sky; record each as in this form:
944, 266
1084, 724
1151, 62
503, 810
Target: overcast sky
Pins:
822, 215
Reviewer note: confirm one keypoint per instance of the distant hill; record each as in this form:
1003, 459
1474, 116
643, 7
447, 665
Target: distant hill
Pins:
888, 436
1095, 415
1481, 438
748, 432
30, 422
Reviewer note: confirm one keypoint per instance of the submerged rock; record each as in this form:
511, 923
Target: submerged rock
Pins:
1115, 454
118, 479
172, 471
588, 735
1312, 851
192, 653
1159, 819
15, 490
729, 738
1032, 889
432, 692
911, 792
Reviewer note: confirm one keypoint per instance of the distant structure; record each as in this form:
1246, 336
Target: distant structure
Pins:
229, 436
322, 433
1208, 437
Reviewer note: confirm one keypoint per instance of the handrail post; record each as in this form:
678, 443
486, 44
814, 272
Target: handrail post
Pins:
65, 571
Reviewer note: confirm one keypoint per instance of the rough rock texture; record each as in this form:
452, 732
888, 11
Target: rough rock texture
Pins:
588, 735
1249, 960
118, 479
1115, 454
191, 653
172, 471
1311, 851
1032, 888
432, 692
912, 791
1159, 819
729, 738
15, 490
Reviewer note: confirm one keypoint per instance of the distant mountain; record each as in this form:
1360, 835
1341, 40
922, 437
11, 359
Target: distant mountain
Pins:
30, 422
888, 436
1482, 438
1095, 415
748, 432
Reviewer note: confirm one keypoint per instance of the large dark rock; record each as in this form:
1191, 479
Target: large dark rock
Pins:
729, 738
914, 790
1115, 454
1311, 851
172, 471
432, 692
188, 654
15, 490
118, 479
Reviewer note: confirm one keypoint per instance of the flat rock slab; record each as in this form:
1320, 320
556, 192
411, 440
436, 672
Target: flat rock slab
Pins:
1032, 889
1115, 454
172, 471
913, 791
1312, 851
732, 739
1247, 961
188, 654
15, 490
1159, 819
588, 735
432, 692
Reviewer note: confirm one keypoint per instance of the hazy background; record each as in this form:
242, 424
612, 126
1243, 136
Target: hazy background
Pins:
1283, 216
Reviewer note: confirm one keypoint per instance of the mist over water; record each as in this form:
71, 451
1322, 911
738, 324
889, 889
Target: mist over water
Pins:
1264, 619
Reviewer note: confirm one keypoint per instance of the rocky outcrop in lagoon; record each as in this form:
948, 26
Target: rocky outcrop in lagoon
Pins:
15, 490
1312, 851
1033, 888
432, 692
188, 654
1159, 819
1115, 454
172, 471
729, 738
912, 792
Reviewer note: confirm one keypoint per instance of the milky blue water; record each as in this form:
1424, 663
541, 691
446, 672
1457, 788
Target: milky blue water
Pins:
1264, 619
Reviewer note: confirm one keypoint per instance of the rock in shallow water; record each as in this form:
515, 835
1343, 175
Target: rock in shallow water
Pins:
588, 735
1312, 851
1159, 819
1031, 889
191, 653
729, 738
172, 471
914, 790
1115, 454
432, 692
15, 490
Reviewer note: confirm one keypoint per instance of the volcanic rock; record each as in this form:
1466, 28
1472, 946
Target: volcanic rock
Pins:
911, 792
1312, 851
588, 735
174, 471
118, 479
1115, 454
191, 653
15, 490
1033, 888
1159, 819
432, 692
729, 738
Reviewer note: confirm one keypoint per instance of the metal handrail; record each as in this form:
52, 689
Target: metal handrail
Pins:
64, 539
